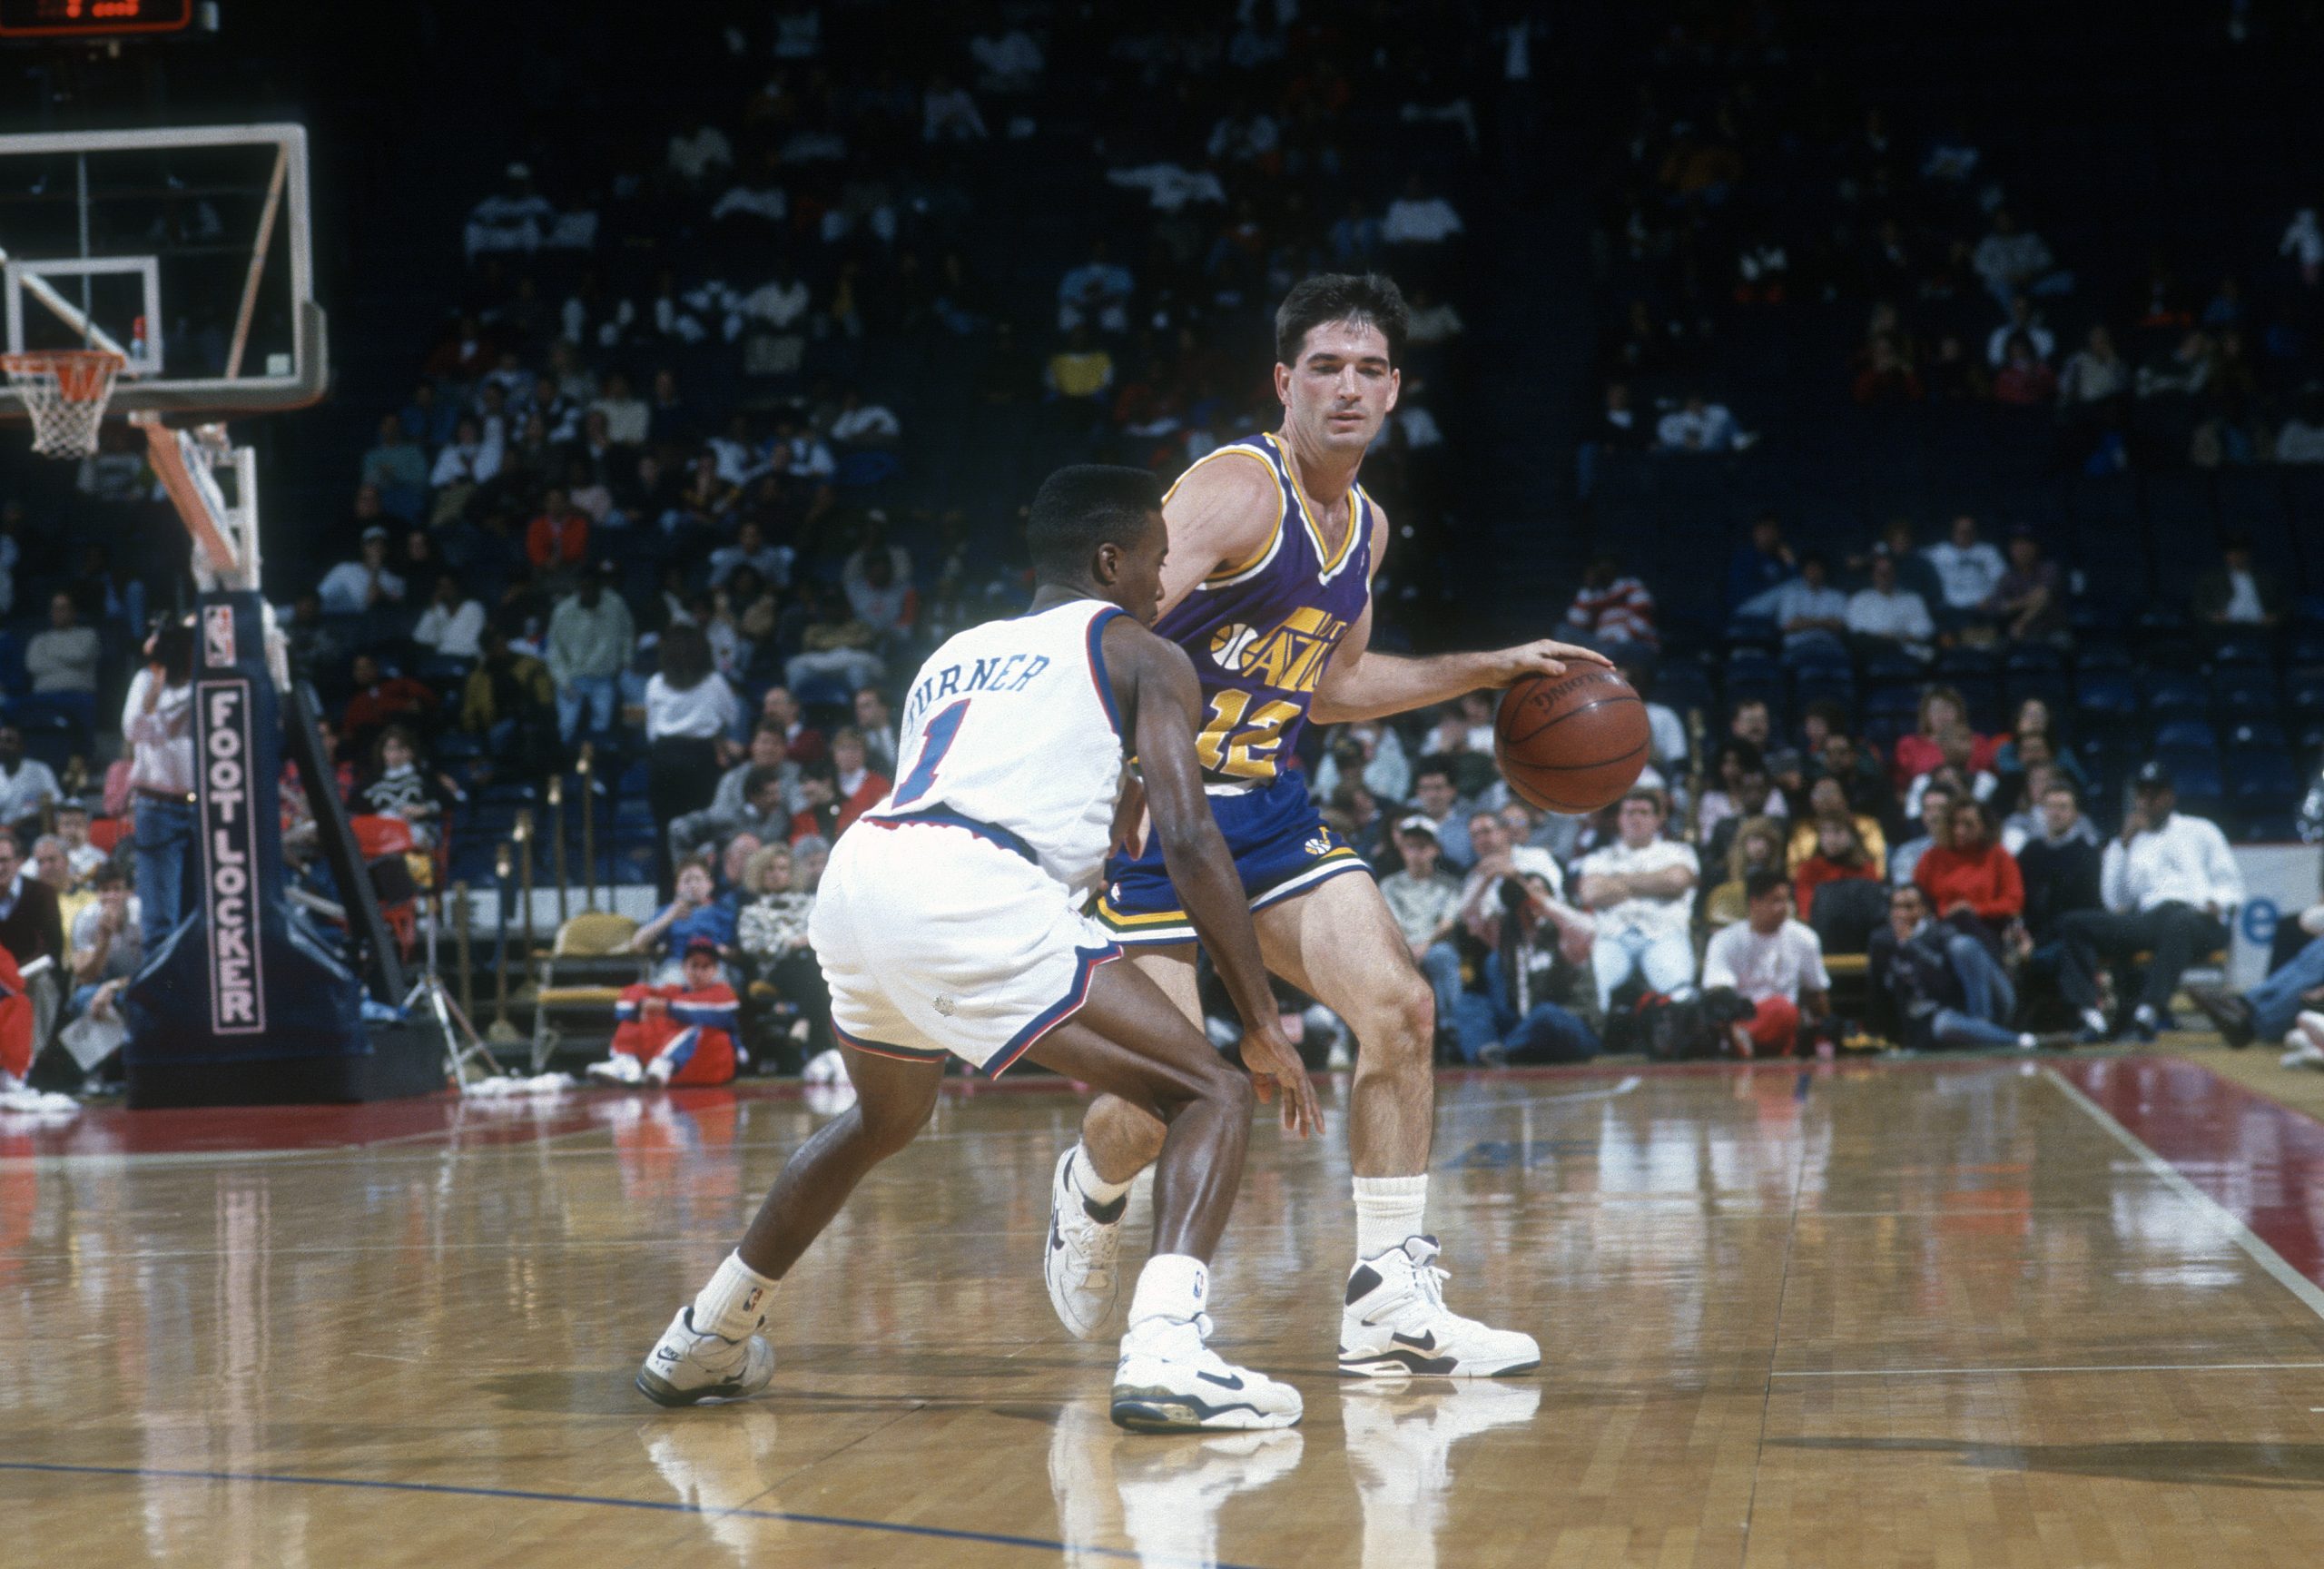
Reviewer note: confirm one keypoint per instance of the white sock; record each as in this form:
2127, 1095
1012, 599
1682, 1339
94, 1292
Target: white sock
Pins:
1092, 1187
1387, 1210
2095, 1018
1171, 1286
734, 1303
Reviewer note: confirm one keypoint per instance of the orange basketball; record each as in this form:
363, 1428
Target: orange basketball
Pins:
1571, 742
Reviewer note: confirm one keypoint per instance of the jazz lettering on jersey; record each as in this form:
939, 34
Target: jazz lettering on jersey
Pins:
1012, 673
1244, 730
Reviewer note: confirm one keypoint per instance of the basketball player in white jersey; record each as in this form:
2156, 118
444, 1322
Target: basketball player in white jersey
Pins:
949, 924
1273, 548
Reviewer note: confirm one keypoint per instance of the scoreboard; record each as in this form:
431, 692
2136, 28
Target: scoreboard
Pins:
92, 19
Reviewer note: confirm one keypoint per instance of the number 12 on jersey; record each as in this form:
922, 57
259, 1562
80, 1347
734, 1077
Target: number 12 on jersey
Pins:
1239, 740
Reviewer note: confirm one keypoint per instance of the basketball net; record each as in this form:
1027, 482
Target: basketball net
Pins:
66, 391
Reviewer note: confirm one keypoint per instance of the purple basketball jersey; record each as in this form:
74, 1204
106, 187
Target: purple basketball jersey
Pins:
1261, 631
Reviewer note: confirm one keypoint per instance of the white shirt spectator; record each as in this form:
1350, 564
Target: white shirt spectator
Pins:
469, 462
1782, 963
771, 562
707, 708
1170, 186
64, 659
1419, 427
1899, 615
345, 589
161, 742
2044, 342
510, 223
1710, 429
31, 787
1434, 323
806, 454
1798, 600
1967, 575
1419, 221
2299, 442
866, 423
1668, 733
1011, 63
451, 633
691, 156
2304, 241
1982, 786
949, 115
626, 419
767, 201
1653, 918
2007, 261
2186, 861
776, 303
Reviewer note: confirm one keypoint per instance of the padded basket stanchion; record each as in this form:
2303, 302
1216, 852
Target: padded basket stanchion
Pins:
66, 391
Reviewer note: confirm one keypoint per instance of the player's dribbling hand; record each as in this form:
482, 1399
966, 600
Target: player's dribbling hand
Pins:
1276, 1066
1545, 657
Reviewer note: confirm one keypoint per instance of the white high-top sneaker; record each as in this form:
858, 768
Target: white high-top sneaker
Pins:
686, 1367
1168, 1381
1395, 1323
1081, 1254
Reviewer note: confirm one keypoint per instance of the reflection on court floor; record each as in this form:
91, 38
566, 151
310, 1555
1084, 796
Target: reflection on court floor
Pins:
1976, 1312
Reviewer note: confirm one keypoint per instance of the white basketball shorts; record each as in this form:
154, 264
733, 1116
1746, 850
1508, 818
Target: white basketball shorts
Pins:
935, 939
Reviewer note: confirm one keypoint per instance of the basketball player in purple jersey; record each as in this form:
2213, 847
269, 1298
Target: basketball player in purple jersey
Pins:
1268, 588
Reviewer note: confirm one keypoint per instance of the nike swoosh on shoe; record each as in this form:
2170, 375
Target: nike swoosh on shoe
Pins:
1233, 1382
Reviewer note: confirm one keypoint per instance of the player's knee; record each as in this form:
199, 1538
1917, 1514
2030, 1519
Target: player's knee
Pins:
1407, 1014
886, 1131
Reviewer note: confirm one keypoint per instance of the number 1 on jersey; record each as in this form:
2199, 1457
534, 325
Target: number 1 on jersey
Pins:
935, 740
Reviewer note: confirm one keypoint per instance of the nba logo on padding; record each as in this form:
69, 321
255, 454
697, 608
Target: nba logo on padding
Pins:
218, 637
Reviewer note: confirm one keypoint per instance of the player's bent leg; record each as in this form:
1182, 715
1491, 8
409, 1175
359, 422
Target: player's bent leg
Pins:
1090, 1188
1339, 943
1130, 1040
713, 1349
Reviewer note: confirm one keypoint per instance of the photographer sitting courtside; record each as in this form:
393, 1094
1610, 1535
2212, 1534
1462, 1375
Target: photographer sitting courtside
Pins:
2170, 884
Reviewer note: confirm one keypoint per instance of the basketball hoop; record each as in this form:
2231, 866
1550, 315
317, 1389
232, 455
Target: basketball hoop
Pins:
66, 391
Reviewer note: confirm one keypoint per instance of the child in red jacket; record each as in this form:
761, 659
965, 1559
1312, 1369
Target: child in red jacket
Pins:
676, 1035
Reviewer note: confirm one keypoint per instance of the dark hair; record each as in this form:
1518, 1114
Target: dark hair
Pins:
686, 657
822, 768
1433, 765
1080, 507
1369, 298
108, 876
1651, 796
2058, 781
1758, 884
173, 651
759, 779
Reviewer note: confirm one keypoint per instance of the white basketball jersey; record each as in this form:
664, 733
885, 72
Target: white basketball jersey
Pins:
1011, 726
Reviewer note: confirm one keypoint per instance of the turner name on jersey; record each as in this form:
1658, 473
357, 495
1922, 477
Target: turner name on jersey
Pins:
996, 673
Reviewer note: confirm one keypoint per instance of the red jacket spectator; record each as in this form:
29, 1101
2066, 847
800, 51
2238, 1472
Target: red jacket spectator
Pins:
1983, 877
1612, 608
382, 699
16, 1019
683, 1034
557, 538
866, 796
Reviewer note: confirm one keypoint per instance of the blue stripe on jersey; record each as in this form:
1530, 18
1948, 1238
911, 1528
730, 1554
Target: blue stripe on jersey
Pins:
1056, 1013
945, 817
1097, 676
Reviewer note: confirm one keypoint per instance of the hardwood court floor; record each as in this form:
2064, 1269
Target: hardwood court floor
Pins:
1854, 1315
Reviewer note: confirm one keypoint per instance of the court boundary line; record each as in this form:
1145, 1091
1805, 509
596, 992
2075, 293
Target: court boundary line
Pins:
656, 1506
1990, 1372
2311, 1295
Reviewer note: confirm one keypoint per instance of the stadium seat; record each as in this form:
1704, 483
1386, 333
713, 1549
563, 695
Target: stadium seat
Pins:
2106, 694
2245, 693
2263, 780
2102, 654
2233, 652
2168, 694
2186, 736
1890, 666
2265, 734
2196, 775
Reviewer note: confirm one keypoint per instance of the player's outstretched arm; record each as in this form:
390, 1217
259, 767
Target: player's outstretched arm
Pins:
1156, 681
1360, 684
